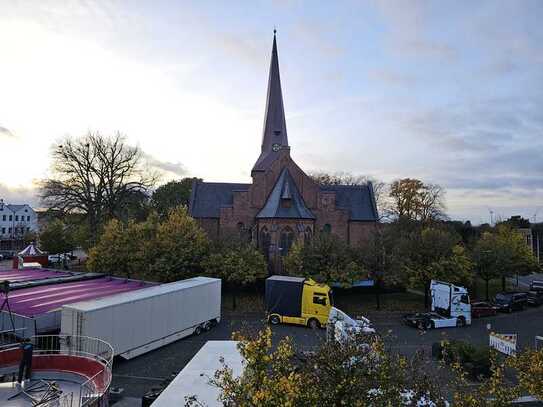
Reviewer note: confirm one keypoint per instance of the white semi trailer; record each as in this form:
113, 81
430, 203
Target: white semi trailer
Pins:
450, 307
140, 321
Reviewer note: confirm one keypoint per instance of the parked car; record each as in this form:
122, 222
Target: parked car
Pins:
483, 309
511, 301
57, 258
7, 254
535, 297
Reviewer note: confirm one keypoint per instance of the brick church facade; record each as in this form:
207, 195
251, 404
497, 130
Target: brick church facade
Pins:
282, 204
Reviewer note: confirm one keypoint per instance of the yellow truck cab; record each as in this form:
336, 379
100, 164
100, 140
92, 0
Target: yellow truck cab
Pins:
297, 300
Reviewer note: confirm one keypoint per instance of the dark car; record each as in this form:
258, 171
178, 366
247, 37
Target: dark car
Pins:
535, 297
512, 301
483, 309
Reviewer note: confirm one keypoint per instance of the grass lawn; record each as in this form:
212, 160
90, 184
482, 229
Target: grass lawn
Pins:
358, 303
352, 302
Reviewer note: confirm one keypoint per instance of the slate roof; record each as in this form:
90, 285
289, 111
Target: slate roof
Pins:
285, 188
207, 198
357, 199
275, 127
15, 208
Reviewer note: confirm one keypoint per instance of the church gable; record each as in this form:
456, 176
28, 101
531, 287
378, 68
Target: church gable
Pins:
285, 201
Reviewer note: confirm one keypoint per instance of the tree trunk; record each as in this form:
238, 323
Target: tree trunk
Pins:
234, 300
503, 283
487, 290
426, 296
377, 294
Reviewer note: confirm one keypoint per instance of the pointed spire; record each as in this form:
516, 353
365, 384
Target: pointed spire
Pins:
275, 128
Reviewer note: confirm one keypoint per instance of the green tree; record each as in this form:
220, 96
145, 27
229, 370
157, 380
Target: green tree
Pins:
172, 195
435, 254
236, 263
326, 259
56, 238
503, 253
125, 250
180, 247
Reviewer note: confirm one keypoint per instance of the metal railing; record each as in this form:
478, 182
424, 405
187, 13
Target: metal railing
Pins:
92, 389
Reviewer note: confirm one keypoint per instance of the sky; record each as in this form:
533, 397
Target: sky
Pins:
450, 92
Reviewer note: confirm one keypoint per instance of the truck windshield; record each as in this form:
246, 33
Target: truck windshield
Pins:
331, 297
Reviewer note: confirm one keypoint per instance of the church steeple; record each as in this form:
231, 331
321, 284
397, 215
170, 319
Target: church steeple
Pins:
274, 136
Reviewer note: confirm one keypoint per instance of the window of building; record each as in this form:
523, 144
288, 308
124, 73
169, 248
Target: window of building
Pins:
286, 240
307, 235
9, 230
26, 210
3, 217
16, 218
28, 218
10, 217
327, 228
3, 231
27, 230
265, 241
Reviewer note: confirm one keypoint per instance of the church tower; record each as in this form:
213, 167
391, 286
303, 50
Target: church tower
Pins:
274, 137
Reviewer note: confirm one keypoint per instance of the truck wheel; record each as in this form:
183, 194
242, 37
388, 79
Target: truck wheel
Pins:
313, 323
461, 322
207, 326
198, 330
428, 325
275, 320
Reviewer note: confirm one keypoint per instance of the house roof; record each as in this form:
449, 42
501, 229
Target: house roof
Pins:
285, 189
357, 199
16, 208
207, 198
275, 127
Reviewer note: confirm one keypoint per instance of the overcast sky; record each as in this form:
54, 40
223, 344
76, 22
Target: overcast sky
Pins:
450, 92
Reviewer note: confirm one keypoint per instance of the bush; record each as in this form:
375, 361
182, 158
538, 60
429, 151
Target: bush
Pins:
475, 360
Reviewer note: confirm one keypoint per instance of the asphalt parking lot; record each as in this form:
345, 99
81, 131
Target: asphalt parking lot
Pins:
138, 375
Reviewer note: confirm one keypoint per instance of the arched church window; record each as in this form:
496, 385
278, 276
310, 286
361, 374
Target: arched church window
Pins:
286, 240
265, 241
307, 235
327, 228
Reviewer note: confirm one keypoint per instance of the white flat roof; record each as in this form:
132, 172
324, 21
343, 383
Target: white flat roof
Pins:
194, 378
140, 294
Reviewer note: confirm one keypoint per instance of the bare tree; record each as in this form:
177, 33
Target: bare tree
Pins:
96, 176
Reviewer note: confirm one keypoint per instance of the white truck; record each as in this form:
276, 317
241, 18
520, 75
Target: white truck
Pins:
450, 308
341, 326
139, 321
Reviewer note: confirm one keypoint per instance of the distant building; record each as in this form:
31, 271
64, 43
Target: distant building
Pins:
282, 204
16, 221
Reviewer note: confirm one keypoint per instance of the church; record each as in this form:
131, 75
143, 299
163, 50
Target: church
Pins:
282, 204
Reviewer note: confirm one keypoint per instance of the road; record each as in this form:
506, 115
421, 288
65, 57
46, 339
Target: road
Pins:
140, 374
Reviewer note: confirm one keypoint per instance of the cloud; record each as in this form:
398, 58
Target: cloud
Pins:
19, 195
6, 133
391, 77
177, 168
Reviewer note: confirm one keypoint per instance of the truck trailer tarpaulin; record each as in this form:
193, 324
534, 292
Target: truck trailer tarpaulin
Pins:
284, 295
